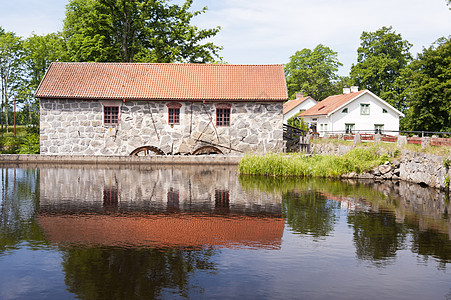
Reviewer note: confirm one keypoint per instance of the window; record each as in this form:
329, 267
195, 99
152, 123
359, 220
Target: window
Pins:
384, 111
378, 128
111, 115
345, 111
364, 109
173, 113
174, 116
349, 128
223, 115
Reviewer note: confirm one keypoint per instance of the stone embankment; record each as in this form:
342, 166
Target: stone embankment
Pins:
416, 167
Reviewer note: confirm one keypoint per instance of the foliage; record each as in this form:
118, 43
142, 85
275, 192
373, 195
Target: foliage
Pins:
31, 144
380, 58
136, 31
429, 89
11, 69
298, 123
312, 72
357, 160
39, 52
9, 144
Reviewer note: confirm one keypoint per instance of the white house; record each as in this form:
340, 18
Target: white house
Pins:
354, 110
294, 107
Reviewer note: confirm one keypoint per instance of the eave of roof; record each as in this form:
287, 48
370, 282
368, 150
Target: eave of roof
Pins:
292, 104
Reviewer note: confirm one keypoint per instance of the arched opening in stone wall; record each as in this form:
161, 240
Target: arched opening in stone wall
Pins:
146, 151
207, 150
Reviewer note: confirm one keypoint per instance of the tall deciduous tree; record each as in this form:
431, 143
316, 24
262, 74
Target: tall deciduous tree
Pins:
11, 70
136, 31
429, 89
312, 72
39, 51
380, 58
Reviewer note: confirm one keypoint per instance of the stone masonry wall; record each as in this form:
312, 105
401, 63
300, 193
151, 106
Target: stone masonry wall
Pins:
76, 127
416, 167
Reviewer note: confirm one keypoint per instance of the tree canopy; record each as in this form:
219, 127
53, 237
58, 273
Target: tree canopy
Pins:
380, 58
429, 88
136, 31
312, 72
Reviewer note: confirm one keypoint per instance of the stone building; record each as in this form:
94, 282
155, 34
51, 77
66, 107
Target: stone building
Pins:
123, 108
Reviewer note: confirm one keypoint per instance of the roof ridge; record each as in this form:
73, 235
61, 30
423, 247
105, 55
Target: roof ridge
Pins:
174, 64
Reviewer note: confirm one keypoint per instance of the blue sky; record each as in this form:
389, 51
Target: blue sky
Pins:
270, 31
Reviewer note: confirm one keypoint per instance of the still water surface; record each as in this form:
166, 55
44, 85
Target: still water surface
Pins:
200, 233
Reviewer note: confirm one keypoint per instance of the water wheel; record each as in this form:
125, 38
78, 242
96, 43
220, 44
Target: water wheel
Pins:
146, 151
207, 150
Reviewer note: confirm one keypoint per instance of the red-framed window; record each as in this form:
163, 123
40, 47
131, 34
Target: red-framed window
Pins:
111, 115
223, 114
173, 113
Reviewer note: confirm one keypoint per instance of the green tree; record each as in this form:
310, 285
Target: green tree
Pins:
11, 69
298, 123
380, 58
312, 72
136, 31
429, 88
39, 52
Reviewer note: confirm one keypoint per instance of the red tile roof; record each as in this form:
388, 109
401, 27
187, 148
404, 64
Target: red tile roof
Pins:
293, 103
146, 81
330, 104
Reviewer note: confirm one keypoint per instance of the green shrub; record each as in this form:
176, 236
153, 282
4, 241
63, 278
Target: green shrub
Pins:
30, 144
9, 144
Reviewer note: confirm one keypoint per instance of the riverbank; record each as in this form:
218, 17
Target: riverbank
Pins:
347, 162
122, 160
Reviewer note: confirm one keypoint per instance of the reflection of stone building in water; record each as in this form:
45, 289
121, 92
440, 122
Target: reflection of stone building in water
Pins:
165, 206
118, 108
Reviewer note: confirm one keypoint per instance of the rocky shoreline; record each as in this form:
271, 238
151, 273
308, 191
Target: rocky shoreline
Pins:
415, 167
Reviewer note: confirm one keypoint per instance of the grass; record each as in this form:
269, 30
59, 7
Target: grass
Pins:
331, 166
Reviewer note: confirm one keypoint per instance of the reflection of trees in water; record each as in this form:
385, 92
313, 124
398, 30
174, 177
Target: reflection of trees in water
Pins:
377, 236
309, 212
429, 243
119, 273
19, 201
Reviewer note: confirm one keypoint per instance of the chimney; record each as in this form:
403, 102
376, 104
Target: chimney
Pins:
299, 95
346, 90
354, 89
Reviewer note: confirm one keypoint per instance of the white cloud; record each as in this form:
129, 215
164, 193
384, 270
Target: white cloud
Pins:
268, 31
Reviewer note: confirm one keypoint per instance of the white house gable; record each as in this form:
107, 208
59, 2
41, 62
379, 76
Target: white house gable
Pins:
365, 112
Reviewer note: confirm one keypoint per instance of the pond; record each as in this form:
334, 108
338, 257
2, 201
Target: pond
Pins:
144, 232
